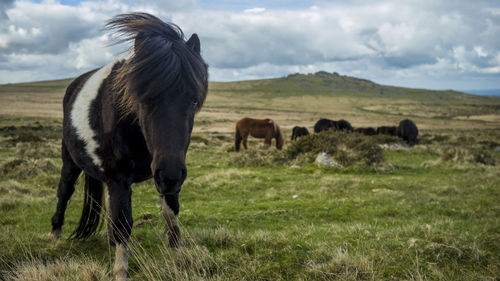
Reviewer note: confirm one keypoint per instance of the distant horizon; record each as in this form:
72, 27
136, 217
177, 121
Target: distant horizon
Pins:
493, 92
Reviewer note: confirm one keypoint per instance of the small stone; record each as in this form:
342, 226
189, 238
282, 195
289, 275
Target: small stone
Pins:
326, 160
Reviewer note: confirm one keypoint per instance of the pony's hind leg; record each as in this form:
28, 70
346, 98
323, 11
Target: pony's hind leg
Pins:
245, 137
69, 174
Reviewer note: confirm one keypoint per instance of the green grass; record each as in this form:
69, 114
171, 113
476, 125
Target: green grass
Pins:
415, 216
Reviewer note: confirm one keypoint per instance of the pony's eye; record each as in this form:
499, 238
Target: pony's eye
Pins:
195, 103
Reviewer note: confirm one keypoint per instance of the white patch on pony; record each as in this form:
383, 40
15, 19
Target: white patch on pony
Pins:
80, 113
120, 268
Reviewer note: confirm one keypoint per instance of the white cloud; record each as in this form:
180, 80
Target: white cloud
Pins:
254, 10
393, 42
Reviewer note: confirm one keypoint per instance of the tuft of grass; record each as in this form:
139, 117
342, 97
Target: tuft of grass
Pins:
46, 149
339, 264
66, 269
191, 261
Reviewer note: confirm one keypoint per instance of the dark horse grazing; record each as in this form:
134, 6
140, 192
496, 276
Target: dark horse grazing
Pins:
299, 132
327, 124
407, 130
344, 125
368, 131
127, 122
324, 124
387, 130
257, 128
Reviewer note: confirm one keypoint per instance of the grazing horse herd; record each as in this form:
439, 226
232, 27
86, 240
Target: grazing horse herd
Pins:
132, 119
268, 129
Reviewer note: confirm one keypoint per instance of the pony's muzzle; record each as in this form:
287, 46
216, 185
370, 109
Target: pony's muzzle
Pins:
169, 181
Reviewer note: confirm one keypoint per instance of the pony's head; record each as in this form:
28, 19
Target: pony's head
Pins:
162, 84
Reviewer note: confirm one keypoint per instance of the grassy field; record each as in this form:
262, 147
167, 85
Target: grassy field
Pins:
428, 213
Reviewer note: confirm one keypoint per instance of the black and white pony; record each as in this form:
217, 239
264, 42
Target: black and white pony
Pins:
127, 122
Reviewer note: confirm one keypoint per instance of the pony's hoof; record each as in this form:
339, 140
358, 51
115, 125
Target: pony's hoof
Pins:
120, 276
56, 233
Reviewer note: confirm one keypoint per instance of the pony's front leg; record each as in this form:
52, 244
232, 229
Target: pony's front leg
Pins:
267, 140
170, 210
120, 207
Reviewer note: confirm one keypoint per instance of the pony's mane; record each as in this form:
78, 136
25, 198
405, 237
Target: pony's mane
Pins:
161, 62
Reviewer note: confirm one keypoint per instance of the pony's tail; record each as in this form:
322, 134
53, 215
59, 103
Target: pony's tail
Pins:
91, 212
279, 136
237, 140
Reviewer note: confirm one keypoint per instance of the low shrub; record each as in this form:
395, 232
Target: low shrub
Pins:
433, 138
26, 168
27, 136
383, 139
347, 148
469, 155
259, 157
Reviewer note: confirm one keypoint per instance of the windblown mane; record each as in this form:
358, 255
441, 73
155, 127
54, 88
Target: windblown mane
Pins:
161, 63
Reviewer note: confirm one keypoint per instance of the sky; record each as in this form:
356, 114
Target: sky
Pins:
433, 44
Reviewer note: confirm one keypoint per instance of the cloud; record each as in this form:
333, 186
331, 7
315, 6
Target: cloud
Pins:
388, 41
385, 38
244, 39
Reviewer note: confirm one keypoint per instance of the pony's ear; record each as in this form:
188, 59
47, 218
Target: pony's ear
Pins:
194, 43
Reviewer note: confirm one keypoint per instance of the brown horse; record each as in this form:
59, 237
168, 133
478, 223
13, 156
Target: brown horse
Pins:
257, 128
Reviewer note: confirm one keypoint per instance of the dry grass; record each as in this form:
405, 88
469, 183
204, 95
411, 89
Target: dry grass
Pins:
468, 155
228, 102
27, 168
81, 269
339, 264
